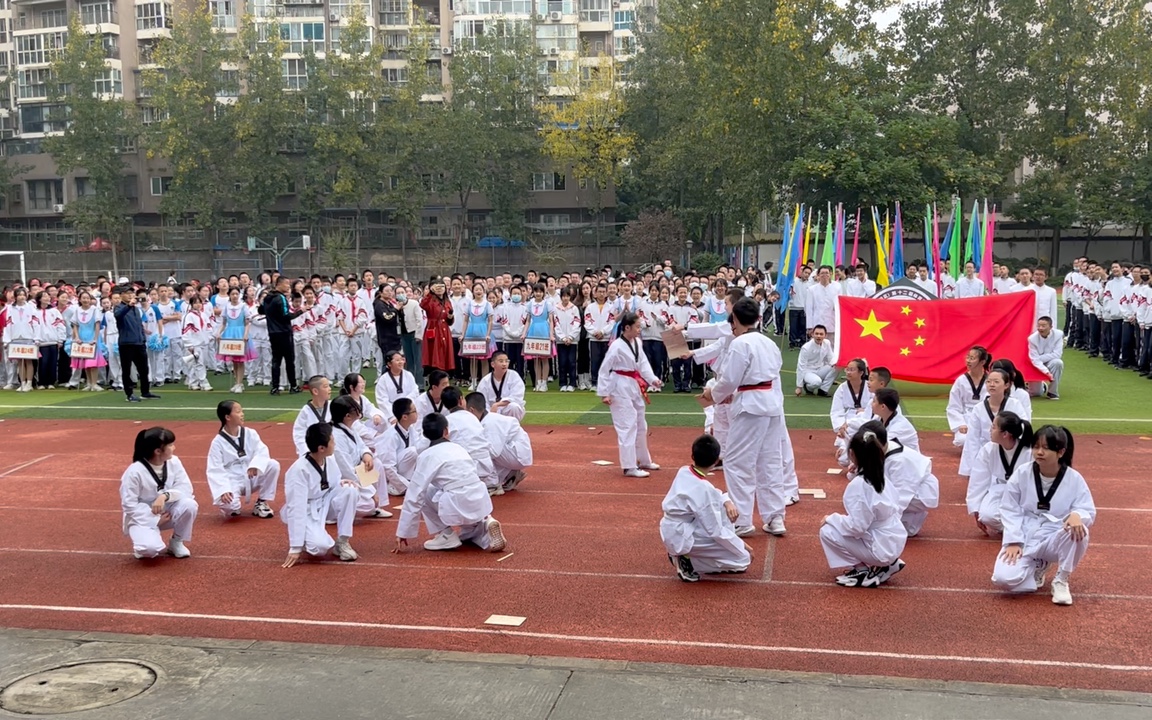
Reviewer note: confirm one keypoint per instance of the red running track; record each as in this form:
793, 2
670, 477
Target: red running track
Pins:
587, 570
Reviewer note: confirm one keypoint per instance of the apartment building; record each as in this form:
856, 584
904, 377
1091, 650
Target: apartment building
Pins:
570, 34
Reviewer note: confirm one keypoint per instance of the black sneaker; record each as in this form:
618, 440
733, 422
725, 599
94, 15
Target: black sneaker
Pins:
133, 398
853, 577
150, 396
294, 390
876, 576
822, 392
274, 391
684, 569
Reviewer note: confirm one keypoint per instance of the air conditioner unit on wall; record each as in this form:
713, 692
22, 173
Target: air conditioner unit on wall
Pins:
554, 51
446, 50
541, 17
334, 17
555, 16
58, 209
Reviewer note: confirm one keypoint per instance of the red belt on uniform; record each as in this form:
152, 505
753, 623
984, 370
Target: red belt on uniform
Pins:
635, 375
766, 385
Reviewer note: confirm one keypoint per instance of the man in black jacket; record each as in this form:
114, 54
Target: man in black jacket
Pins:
279, 316
132, 344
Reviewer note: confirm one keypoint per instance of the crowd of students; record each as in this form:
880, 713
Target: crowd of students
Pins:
456, 355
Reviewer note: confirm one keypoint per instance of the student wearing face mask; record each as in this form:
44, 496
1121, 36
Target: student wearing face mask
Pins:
411, 332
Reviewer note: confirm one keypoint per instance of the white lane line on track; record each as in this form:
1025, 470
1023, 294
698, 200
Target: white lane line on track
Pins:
21, 466
594, 639
828, 585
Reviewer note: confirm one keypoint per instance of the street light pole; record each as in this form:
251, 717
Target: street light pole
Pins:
689, 255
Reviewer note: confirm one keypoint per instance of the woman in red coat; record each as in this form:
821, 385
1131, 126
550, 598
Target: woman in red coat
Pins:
438, 354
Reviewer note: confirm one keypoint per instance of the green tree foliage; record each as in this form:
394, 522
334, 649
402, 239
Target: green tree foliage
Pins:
195, 132
98, 127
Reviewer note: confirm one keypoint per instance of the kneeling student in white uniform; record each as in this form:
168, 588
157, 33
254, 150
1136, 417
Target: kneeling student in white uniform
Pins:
446, 491
316, 411
239, 465
398, 448
998, 383
697, 529
869, 537
469, 434
156, 494
886, 409
510, 445
910, 474
351, 452
314, 493
1009, 448
503, 388
1046, 510
815, 365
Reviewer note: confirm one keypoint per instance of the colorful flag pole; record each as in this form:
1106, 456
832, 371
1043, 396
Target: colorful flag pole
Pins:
955, 249
838, 257
973, 236
936, 252
856, 240
989, 230
881, 259
898, 247
826, 256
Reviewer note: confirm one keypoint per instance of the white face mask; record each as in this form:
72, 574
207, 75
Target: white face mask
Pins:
401, 297
668, 274
516, 298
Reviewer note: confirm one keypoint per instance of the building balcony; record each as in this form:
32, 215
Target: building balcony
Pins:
38, 21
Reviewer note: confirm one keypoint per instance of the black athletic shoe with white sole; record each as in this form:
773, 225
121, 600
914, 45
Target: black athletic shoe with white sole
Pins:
684, 569
853, 577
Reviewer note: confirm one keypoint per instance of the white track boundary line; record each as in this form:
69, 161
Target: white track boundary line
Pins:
827, 585
576, 411
21, 466
602, 640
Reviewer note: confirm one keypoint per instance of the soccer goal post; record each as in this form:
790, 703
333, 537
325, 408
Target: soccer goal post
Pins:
23, 269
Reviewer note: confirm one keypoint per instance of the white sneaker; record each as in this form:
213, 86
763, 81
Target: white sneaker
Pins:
495, 490
744, 530
344, 551
496, 541
380, 513
9, 386
472, 386
447, 540
775, 526
1061, 594
636, 473
95, 388
176, 548
650, 466
261, 510
792, 500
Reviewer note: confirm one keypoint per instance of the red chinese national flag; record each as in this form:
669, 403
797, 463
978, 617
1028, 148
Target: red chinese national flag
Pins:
927, 340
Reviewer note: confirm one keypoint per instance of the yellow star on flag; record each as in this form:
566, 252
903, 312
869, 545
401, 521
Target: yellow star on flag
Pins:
905, 352
920, 341
905, 310
872, 326
919, 322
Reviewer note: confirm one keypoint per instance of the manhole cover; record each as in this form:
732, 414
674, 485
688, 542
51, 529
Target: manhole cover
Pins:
77, 686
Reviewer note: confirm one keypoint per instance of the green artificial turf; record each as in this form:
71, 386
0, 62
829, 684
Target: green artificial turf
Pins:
1096, 398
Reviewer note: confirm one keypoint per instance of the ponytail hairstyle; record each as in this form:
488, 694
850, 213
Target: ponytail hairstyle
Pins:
863, 365
341, 408
1016, 426
1056, 438
867, 448
985, 356
1006, 377
149, 441
223, 410
351, 380
627, 319
1010, 367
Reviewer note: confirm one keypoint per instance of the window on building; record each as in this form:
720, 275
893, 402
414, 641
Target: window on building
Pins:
84, 187
97, 13
395, 12
555, 223
33, 83
3, 30
547, 181
302, 37
223, 13
625, 45
160, 185
153, 16
558, 36
53, 18
111, 45
228, 83
295, 72
395, 43
396, 77
623, 19
43, 194
595, 10
150, 115
110, 83
347, 8
39, 49
495, 7
41, 119
335, 36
